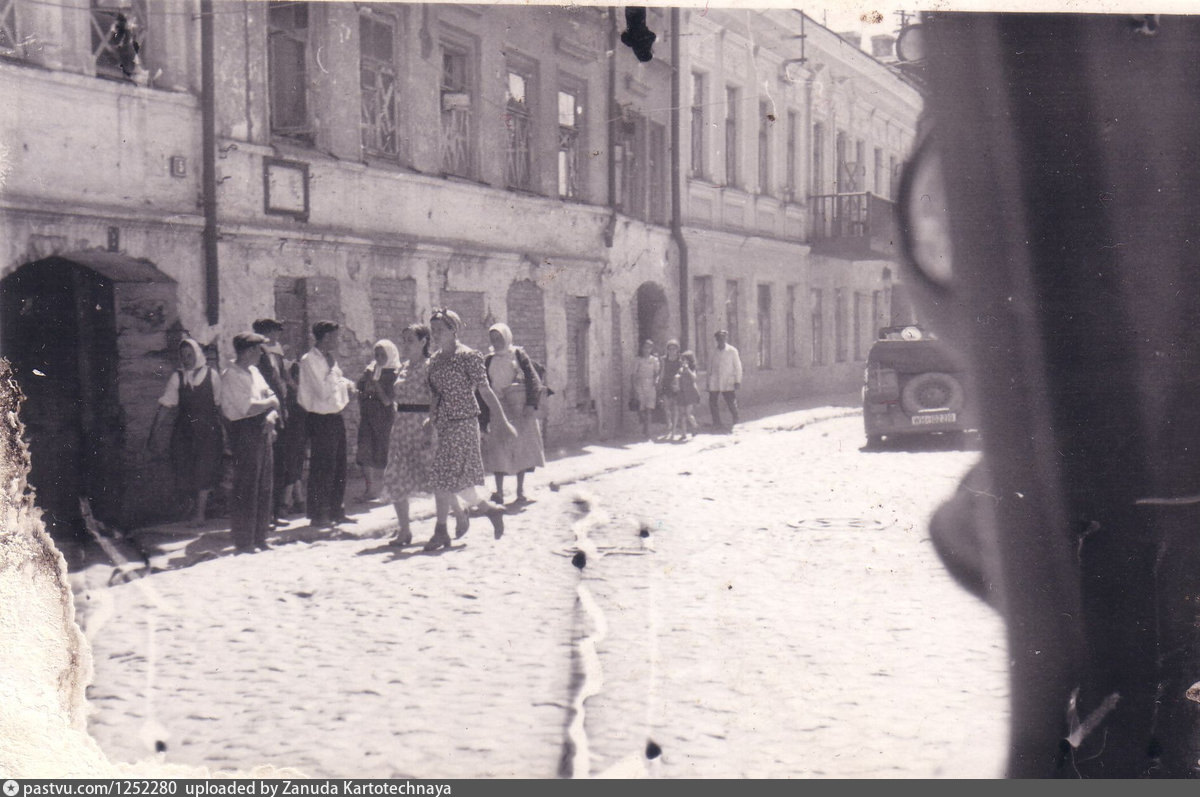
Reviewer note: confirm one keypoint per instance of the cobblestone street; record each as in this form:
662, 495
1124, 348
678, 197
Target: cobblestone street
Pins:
765, 604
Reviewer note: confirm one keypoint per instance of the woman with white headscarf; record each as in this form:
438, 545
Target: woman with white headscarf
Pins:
377, 412
515, 381
197, 441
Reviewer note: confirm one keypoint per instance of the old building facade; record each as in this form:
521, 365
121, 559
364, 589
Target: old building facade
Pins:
371, 161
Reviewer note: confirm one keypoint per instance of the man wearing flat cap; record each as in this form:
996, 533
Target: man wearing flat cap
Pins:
324, 392
252, 409
274, 369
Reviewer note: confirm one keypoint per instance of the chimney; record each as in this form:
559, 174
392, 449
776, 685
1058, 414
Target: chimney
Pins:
883, 45
854, 37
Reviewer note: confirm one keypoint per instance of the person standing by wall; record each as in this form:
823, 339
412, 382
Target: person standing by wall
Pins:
377, 412
197, 441
644, 387
323, 393
724, 378
252, 410
668, 387
514, 379
688, 396
273, 368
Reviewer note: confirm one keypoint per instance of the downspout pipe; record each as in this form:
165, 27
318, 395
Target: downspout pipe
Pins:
677, 176
208, 116
611, 129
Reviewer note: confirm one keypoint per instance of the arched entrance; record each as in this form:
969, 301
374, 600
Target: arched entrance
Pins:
75, 329
653, 315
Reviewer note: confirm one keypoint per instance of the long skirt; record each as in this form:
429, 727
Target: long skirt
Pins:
409, 458
374, 434
457, 463
516, 454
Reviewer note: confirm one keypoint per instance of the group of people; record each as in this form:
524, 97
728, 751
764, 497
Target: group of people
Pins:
670, 382
435, 416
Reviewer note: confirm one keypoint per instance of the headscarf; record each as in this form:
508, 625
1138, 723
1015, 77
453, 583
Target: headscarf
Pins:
393, 358
448, 317
196, 375
505, 333
502, 370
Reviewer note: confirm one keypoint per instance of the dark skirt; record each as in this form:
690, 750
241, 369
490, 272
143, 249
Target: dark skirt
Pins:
374, 433
197, 445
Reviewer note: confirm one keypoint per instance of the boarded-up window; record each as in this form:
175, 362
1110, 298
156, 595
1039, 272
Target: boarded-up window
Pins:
702, 309
764, 326
526, 317
471, 306
579, 322
791, 326
817, 309
732, 300
393, 306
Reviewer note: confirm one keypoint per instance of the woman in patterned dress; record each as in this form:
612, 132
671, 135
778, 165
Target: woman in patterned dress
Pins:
456, 372
411, 450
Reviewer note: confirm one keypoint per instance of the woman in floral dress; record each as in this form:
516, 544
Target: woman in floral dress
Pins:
456, 372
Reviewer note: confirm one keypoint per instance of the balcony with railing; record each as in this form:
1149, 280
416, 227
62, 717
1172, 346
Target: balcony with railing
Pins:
855, 226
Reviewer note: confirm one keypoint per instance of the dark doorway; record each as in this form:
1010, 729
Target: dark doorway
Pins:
58, 329
653, 316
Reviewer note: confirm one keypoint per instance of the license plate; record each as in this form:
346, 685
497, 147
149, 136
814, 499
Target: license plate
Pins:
934, 417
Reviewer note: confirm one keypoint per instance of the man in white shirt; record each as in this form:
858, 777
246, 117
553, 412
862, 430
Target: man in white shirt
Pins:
252, 410
324, 392
724, 377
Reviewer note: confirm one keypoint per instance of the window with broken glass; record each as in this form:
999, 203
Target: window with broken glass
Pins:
569, 109
457, 144
118, 36
377, 75
731, 132
287, 68
657, 145
518, 167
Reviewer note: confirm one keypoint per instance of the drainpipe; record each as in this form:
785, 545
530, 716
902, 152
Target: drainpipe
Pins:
676, 177
209, 170
611, 228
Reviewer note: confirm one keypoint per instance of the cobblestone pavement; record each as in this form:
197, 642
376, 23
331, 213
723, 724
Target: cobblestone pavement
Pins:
785, 617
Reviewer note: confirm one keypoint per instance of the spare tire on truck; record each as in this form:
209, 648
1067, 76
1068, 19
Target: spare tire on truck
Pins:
932, 391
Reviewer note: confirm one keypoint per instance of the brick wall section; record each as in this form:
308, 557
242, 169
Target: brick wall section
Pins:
393, 306
526, 316
471, 306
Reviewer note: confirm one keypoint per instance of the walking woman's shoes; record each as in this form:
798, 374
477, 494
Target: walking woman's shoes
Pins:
401, 539
461, 525
440, 538
496, 515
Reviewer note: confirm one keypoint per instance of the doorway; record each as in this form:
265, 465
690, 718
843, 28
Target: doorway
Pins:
653, 316
58, 329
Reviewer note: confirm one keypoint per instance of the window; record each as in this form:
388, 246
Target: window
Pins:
876, 313
118, 35
860, 319
518, 166
791, 155
894, 177
702, 307
569, 110
764, 147
377, 73
632, 189
816, 300
697, 125
731, 131
11, 45
764, 326
818, 159
843, 166
839, 324
287, 64
658, 173
858, 179
791, 326
880, 188
731, 310
458, 154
